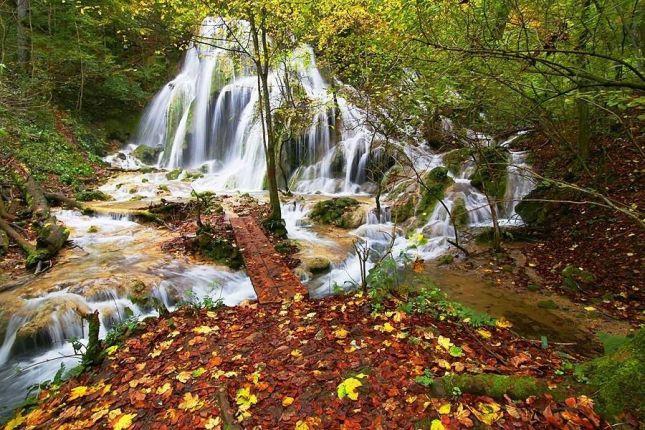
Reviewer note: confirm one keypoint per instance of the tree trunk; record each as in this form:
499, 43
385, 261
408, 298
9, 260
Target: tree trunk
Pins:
22, 39
262, 66
582, 107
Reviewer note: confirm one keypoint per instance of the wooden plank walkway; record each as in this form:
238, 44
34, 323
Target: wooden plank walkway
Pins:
271, 279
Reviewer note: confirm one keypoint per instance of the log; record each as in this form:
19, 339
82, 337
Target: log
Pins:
498, 386
26, 246
66, 201
51, 234
3, 211
4, 242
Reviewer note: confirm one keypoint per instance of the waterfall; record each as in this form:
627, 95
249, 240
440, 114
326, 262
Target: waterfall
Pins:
208, 116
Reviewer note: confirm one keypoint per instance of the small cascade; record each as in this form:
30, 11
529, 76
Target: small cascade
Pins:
15, 323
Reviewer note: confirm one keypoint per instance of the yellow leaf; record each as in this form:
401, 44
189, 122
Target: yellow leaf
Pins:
484, 333
15, 422
245, 399
589, 308
301, 425
287, 401
123, 422
296, 353
191, 403
348, 387
211, 423
111, 350
183, 376
387, 328
503, 323
204, 329
198, 372
298, 297
444, 342
444, 409
164, 388
77, 392
436, 425
487, 413
443, 363
341, 333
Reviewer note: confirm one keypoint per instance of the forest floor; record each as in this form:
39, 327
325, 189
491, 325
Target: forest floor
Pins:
604, 243
303, 364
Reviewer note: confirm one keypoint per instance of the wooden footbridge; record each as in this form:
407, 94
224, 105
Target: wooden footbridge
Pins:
272, 280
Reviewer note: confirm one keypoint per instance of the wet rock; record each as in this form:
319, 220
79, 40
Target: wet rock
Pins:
316, 265
146, 154
140, 294
90, 195
173, 174
344, 212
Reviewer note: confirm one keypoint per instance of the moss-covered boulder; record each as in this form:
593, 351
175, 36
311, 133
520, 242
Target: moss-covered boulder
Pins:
576, 278
491, 174
220, 250
173, 174
91, 195
146, 154
140, 294
344, 212
316, 264
459, 212
618, 378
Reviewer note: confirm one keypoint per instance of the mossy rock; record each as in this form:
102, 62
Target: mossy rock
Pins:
340, 212
146, 154
140, 294
173, 174
460, 213
91, 195
618, 379
220, 250
445, 259
576, 278
317, 264
491, 174
454, 160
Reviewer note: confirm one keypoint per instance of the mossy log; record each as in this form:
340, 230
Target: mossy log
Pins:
4, 242
497, 386
67, 202
3, 211
51, 234
24, 244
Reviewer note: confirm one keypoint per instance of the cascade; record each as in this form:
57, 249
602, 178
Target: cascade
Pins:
206, 118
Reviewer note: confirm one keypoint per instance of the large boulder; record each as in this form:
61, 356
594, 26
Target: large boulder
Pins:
146, 154
344, 212
316, 264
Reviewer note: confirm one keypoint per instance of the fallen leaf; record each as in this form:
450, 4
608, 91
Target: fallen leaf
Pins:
287, 401
77, 392
123, 422
191, 403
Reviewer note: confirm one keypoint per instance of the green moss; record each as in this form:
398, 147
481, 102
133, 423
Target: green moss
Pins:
491, 173
501, 386
618, 378
146, 154
333, 211
220, 250
93, 229
90, 195
436, 181
460, 213
455, 159
445, 259
173, 174
576, 278
547, 304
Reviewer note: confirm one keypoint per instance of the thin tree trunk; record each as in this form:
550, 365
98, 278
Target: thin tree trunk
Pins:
22, 39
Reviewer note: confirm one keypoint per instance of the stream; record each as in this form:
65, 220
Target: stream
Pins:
203, 123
